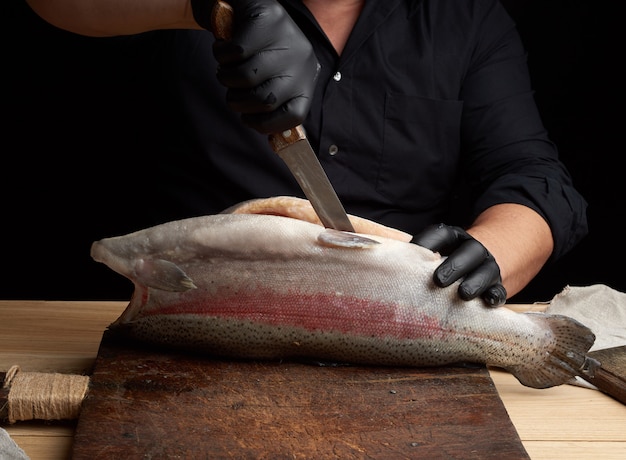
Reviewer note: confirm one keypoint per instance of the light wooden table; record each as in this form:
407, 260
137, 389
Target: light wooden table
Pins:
566, 422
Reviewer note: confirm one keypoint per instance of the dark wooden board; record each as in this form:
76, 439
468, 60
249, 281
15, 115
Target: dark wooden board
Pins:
610, 377
153, 404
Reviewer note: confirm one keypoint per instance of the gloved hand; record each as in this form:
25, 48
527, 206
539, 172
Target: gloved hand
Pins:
268, 65
468, 259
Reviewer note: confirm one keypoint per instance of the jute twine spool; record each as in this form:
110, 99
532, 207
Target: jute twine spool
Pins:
44, 396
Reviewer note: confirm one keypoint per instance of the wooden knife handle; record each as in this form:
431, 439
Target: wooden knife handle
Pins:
221, 24
279, 141
222, 20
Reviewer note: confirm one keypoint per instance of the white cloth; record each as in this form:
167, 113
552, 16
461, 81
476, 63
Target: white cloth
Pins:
599, 307
9, 450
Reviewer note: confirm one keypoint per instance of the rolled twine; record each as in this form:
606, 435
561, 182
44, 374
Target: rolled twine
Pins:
43, 396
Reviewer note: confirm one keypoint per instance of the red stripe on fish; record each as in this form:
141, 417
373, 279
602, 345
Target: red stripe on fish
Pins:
318, 311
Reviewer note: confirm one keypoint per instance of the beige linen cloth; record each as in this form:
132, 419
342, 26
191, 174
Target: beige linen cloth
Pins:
8, 449
600, 308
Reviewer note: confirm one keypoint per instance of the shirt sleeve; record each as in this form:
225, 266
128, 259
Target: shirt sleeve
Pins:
507, 154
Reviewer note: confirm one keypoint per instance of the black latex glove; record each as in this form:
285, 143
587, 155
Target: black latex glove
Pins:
268, 65
468, 259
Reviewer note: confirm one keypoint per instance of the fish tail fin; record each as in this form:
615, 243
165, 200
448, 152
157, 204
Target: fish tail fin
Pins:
565, 358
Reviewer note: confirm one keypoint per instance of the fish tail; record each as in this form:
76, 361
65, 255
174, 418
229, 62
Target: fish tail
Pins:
565, 358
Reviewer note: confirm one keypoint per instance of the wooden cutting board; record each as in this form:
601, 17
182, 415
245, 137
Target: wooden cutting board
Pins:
154, 404
610, 377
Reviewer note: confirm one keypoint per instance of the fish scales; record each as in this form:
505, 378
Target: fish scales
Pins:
272, 287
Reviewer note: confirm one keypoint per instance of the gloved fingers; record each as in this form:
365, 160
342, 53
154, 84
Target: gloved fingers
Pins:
259, 26
468, 257
259, 99
292, 113
260, 67
495, 295
439, 238
262, 91
252, 72
268, 66
228, 53
267, 108
254, 23
479, 280
273, 104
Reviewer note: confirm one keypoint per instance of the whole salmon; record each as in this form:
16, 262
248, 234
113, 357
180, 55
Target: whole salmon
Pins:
273, 287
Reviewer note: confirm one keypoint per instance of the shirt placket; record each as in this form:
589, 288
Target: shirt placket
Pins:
337, 129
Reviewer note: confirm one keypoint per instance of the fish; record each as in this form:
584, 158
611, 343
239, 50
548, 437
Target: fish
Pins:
262, 281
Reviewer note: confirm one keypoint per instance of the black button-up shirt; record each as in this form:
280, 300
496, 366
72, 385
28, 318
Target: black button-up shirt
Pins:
426, 117
428, 95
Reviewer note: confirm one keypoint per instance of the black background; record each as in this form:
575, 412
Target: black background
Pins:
76, 158
575, 51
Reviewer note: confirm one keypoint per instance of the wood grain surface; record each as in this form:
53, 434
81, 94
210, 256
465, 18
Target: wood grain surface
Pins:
147, 403
564, 422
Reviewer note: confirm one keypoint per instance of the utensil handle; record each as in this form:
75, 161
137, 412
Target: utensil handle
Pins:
222, 20
279, 141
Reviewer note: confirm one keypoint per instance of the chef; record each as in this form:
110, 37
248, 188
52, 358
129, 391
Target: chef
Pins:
420, 111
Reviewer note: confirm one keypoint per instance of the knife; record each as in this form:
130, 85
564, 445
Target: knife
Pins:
294, 149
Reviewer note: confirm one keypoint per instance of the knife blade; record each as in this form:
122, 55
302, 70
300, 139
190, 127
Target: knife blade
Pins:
294, 149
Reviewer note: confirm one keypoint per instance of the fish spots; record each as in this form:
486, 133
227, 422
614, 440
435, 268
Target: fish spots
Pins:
333, 312
537, 360
248, 339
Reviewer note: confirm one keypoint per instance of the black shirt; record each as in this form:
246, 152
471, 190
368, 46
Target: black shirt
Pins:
427, 116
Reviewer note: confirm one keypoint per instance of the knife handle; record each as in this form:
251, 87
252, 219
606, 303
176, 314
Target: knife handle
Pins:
279, 141
221, 25
222, 20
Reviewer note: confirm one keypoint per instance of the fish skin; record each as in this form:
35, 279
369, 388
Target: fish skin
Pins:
272, 287
301, 209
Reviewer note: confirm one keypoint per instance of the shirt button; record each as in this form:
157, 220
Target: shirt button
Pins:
333, 150
337, 76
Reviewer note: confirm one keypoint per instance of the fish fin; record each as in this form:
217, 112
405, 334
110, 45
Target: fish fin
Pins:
567, 359
339, 239
162, 274
133, 309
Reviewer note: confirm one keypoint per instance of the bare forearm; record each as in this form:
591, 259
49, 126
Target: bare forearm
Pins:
102, 18
519, 239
